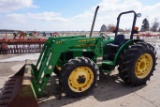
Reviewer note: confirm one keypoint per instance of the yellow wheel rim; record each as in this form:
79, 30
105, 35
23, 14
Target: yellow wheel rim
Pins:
81, 79
143, 65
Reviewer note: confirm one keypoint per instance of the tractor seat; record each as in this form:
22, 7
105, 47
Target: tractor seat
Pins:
112, 48
117, 41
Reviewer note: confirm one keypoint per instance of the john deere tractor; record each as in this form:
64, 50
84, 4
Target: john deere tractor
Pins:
78, 62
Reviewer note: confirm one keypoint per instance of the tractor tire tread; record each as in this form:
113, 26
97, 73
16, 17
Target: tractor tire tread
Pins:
128, 60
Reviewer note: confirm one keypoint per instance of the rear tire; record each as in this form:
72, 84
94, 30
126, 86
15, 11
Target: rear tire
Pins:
78, 76
137, 63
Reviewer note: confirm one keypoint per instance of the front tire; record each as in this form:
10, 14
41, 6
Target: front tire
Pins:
79, 76
137, 63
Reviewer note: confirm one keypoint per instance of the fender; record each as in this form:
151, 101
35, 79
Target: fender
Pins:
122, 48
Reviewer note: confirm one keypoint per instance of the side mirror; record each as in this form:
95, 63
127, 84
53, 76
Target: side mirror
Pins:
138, 14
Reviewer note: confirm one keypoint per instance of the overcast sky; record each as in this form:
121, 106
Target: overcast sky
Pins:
72, 15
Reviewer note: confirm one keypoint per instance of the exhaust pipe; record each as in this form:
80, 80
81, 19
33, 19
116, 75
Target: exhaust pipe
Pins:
94, 19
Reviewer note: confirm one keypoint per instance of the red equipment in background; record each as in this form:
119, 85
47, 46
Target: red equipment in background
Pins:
20, 44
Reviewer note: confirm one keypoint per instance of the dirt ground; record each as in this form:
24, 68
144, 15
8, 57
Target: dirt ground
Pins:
110, 90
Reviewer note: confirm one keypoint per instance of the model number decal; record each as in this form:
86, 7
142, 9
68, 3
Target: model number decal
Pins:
58, 42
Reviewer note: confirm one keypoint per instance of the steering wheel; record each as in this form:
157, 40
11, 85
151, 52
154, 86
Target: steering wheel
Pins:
103, 35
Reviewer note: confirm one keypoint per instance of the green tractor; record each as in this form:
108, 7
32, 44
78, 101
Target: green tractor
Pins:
78, 62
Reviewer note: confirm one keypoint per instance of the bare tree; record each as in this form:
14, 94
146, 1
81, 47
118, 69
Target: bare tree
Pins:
110, 27
155, 25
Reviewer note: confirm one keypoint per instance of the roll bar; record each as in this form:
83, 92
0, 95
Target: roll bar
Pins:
133, 25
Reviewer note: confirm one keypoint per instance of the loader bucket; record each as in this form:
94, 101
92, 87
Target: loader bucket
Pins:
18, 91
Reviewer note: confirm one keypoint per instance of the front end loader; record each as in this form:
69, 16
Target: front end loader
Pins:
78, 61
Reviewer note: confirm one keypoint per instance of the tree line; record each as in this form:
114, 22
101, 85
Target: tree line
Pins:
155, 27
